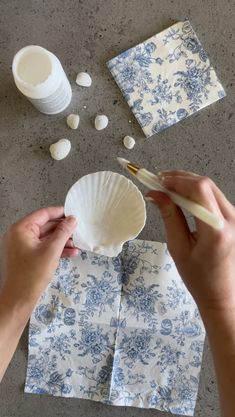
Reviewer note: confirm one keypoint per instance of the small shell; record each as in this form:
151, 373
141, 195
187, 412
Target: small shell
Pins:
73, 121
101, 122
129, 142
59, 150
83, 79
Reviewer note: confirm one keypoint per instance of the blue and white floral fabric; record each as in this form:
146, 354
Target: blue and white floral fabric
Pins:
123, 331
166, 78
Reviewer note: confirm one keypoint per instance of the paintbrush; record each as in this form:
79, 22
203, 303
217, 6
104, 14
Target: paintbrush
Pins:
152, 181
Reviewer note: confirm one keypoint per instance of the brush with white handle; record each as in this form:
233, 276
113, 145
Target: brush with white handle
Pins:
152, 181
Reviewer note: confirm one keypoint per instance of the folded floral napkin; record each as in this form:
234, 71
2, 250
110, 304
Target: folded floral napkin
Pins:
123, 331
166, 78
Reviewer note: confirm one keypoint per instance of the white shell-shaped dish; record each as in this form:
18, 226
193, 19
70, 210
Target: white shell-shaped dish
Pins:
83, 79
101, 122
60, 149
110, 210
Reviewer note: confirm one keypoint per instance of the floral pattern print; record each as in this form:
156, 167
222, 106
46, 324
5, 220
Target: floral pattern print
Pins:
123, 331
166, 78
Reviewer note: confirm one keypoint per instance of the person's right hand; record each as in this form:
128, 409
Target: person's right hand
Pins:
205, 258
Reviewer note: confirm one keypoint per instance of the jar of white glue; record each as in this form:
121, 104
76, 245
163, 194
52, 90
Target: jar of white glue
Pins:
39, 75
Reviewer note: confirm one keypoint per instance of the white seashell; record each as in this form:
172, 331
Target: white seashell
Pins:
73, 121
101, 122
60, 149
83, 79
110, 210
129, 142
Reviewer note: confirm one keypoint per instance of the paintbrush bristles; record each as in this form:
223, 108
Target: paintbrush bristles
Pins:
123, 162
133, 169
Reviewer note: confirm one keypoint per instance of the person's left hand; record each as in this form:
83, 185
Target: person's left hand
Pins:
31, 250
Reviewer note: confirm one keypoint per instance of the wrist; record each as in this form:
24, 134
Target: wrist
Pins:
15, 307
217, 318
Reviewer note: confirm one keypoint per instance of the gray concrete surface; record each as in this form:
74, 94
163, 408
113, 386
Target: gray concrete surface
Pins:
84, 34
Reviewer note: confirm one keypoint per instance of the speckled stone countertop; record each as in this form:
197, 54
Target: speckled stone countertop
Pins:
84, 34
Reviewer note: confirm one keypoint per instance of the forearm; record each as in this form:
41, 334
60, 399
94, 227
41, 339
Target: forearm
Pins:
13, 319
220, 326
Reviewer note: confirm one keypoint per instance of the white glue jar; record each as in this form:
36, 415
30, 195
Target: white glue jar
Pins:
39, 75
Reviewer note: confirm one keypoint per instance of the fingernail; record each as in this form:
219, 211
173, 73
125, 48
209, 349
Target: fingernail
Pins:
164, 177
72, 220
160, 176
149, 199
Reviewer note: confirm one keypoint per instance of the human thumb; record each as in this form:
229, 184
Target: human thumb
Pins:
177, 230
61, 234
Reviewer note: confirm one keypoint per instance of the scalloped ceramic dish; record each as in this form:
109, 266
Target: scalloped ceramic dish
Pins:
110, 210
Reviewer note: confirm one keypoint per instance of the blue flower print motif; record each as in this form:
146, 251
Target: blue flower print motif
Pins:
158, 82
186, 394
61, 343
113, 354
34, 331
192, 44
133, 68
67, 284
159, 61
176, 296
169, 356
132, 265
167, 267
136, 347
196, 348
165, 393
36, 369
166, 119
118, 377
221, 94
195, 81
143, 54
188, 41
166, 327
93, 342
171, 34
124, 268
129, 73
163, 396
69, 316
141, 300
150, 47
69, 372
44, 313
105, 373
83, 255
101, 294
64, 264
132, 258
185, 328
144, 118
66, 389
153, 400
43, 378
117, 323
162, 92
181, 114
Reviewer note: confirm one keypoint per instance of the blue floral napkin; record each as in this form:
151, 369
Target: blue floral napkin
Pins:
166, 78
123, 331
